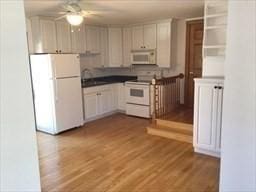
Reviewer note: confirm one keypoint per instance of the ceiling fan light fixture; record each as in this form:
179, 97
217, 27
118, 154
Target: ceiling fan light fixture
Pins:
74, 19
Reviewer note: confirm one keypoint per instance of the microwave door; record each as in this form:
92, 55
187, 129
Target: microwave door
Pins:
140, 58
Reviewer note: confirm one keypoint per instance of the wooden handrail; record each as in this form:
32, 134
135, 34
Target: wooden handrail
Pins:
166, 95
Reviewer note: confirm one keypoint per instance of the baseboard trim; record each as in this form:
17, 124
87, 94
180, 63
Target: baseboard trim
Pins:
207, 152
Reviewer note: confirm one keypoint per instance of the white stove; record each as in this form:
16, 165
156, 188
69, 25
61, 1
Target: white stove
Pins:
138, 98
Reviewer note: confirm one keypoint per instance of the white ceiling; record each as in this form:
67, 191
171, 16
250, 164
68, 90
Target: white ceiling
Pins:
122, 11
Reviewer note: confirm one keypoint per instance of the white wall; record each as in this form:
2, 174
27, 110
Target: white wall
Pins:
19, 170
238, 162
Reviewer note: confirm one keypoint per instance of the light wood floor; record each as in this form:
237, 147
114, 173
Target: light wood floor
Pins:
116, 154
181, 114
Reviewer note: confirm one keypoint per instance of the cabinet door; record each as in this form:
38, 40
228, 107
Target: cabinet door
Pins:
90, 105
48, 36
137, 38
105, 101
121, 97
115, 47
92, 39
63, 37
219, 119
149, 33
104, 47
164, 44
206, 98
78, 39
127, 46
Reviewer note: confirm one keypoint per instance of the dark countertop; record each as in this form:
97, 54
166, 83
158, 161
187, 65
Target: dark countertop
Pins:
106, 80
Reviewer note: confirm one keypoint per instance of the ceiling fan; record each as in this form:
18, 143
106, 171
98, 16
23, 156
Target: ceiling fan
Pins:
74, 13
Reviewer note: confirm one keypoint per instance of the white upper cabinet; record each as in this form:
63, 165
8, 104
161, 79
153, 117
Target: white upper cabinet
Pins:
104, 46
127, 46
144, 37
150, 36
164, 44
137, 37
63, 37
44, 35
92, 39
78, 39
115, 47
48, 35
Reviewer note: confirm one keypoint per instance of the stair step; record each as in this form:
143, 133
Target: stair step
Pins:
178, 125
171, 133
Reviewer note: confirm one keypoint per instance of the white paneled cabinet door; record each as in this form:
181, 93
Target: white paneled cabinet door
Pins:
137, 38
48, 36
90, 105
164, 44
104, 46
121, 97
149, 33
127, 46
63, 37
207, 107
105, 102
115, 47
78, 39
92, 39
219, 118
208, 117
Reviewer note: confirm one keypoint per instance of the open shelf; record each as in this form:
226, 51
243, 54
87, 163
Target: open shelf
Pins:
216, 27
216, 15
214, 46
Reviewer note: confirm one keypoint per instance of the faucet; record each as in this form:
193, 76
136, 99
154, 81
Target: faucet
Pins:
88, 71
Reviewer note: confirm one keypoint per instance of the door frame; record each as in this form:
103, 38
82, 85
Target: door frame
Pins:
188, 23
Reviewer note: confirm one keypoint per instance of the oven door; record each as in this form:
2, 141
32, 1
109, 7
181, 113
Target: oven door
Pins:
137, 94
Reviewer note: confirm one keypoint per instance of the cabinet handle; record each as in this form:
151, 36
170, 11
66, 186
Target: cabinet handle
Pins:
60, 51
56, 51
216, 87
220, 87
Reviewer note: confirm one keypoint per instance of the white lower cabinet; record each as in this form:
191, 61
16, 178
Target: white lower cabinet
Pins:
208, 116
100, 101
121, 97
90, 105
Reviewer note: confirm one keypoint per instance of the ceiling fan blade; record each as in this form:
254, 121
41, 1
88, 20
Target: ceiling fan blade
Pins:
72, 7
61, 17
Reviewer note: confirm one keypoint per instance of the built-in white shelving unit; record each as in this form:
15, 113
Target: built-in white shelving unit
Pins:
215, 25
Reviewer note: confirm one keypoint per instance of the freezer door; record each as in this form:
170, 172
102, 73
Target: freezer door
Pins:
68, 103
65, 65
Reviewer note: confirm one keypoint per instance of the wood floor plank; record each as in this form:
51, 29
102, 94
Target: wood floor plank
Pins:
116, 154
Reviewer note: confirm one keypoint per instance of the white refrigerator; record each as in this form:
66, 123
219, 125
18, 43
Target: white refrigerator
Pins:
57, 92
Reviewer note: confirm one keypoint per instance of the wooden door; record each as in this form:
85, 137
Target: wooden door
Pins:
194, 42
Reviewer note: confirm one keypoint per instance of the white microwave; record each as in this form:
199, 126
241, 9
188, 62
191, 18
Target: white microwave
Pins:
143, 57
